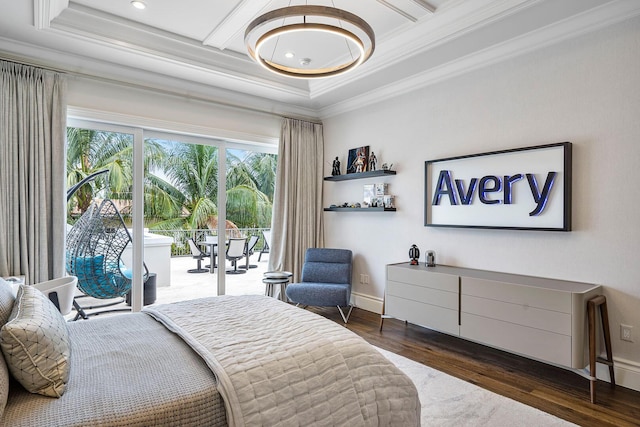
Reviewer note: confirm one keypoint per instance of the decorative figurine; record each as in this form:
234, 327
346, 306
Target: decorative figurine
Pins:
372, 161
360, 162
386, 167
414, 254
336, 167
430, 259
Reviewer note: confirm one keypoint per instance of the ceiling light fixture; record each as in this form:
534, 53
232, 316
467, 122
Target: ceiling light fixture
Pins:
138, 4
357, 34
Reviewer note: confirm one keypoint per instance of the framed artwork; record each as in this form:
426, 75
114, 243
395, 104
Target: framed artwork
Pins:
357, 160
520, 189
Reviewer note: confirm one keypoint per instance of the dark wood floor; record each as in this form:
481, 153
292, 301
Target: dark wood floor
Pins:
554, 390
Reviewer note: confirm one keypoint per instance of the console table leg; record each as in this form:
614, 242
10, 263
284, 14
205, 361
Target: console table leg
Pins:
382, 315
592, 304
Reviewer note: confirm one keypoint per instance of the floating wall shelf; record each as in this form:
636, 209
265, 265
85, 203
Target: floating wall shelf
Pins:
360, 175
359, 209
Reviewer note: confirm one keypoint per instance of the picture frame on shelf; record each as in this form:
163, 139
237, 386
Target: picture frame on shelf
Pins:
381, 189
357, 160
368, 194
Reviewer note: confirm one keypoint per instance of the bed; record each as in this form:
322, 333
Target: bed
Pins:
250, 360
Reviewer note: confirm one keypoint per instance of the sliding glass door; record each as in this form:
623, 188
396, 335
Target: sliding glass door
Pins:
187, 197
250, 184
184, 172
103, 158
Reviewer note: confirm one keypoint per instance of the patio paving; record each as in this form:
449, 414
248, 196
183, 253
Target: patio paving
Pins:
186, 285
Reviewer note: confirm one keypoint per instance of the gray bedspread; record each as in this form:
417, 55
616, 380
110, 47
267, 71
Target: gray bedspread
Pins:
280, 365
126, 370
245, 361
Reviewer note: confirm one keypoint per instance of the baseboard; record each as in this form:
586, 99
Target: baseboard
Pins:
627, 373
367, 302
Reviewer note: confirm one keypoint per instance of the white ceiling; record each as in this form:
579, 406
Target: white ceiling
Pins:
196, 47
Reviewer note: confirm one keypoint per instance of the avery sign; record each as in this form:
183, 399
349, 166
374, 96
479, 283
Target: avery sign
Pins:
525, 188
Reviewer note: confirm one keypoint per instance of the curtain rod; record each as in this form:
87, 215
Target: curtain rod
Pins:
26, 61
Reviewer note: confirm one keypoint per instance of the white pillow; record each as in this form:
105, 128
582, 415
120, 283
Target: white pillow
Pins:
6, 301
35, 344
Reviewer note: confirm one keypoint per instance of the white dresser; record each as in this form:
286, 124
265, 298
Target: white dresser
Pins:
544, 319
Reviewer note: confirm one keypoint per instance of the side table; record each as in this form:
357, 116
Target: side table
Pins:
272, 279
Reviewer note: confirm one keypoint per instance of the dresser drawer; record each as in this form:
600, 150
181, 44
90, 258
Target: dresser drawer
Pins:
535, 343
423, 294
524, 315
417, 276
422, 314
547, 299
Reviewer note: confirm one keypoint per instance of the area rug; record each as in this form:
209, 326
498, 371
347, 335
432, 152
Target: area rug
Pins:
449, 401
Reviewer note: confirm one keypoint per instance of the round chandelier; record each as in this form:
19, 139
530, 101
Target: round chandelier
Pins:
286, 41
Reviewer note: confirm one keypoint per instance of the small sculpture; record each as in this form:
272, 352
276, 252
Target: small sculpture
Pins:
336, 167
360, 162
414, 254
372, 161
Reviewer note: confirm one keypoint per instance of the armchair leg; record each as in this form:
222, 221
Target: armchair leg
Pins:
345, 318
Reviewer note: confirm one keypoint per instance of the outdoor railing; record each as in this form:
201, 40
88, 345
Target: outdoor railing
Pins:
180, 247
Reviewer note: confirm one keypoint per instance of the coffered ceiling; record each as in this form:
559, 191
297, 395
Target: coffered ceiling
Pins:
196, 47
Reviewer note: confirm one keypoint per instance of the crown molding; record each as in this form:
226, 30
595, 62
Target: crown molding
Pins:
444, 26
575, 26
45, 11
156, 50
234, 23
117, 74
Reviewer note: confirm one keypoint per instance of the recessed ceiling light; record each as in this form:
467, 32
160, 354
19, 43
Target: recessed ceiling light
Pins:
289, 55
138, 4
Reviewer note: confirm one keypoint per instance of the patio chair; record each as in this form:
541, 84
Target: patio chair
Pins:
325, 280
199, 255
266, 234
253, 240
94, 247
235, 251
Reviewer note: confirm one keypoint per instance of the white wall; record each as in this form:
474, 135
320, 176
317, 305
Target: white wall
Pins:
586, 91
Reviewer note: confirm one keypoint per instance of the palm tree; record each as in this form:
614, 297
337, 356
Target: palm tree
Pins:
192, 170
89, 151
180, 180
250, 185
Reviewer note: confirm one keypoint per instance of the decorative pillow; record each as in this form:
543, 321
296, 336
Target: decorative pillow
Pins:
4, 384
6, 305
35, 344
6, 301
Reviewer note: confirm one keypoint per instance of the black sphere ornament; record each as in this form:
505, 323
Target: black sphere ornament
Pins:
414, 254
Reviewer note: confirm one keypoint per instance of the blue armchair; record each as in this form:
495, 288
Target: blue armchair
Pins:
325, 280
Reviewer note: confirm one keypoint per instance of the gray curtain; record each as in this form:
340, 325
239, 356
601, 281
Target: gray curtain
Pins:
297, 206
32, 172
